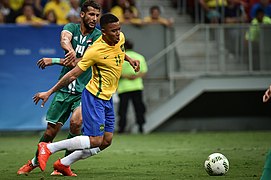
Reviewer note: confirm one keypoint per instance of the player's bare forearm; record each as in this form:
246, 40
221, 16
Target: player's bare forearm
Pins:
127, 58
71, 65
140, 75
44, 62
65, 42
75, 62
267, 94
64, 81
134, 63
70, 58
133, 76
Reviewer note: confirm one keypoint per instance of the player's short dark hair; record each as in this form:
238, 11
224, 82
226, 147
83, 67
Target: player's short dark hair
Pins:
128, 44
92, 3
155, 8
108, 18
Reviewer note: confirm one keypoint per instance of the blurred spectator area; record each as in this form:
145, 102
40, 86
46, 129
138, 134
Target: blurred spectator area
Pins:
10, 9
197, 12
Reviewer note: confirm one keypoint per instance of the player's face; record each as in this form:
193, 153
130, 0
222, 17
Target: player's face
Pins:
90, 18
111, 33
155, 14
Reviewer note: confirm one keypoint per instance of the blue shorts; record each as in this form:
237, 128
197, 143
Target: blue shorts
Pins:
98, 115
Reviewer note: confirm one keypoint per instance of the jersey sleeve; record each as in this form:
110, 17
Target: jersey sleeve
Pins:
87, 60
70, 27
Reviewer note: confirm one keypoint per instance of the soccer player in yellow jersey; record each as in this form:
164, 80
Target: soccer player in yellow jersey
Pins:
105, 57
67, 101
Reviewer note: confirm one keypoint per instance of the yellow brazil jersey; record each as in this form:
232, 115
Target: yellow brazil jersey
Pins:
161, 20
216, 3
106, 62
23, 20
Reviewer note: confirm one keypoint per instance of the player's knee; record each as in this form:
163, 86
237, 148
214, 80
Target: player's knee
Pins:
51, 130
107, 142
48, 136
75, 126
96, 142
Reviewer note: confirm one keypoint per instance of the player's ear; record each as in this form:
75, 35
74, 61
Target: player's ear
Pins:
103, 31
82, 14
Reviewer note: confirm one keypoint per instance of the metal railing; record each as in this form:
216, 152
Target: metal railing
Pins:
217, 50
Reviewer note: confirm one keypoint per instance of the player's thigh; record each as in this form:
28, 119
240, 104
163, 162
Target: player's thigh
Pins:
60, 108
76, 121
76, 117
109, 116
93, 114
108, 136
96, 141
107, 140
52, 130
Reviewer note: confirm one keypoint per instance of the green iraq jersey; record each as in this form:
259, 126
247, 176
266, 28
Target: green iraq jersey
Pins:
79, 43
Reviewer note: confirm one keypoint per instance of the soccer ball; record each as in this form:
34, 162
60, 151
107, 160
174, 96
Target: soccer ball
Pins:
216, 164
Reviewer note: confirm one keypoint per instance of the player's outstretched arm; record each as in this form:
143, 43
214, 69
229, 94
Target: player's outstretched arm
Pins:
134, 63
44, 62
267, 94
41, 95
63, 82
65, 41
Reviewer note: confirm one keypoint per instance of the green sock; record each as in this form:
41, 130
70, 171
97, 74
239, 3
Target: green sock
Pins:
267, 168
42, 139
70, 135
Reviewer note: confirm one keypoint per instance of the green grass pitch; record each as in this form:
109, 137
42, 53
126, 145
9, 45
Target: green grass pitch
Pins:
156, 156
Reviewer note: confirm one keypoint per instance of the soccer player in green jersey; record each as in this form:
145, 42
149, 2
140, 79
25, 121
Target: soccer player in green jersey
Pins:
75, 39
105, 57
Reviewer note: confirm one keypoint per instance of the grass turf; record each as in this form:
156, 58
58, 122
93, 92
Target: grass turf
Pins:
151, 157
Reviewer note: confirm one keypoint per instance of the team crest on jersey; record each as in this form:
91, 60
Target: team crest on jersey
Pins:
122, 48
118, 60
102, 127
89, 41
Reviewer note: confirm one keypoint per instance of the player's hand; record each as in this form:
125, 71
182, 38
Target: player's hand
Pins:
132, 77
42, 63
267, 95
41, 96
69, 58
136, 65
